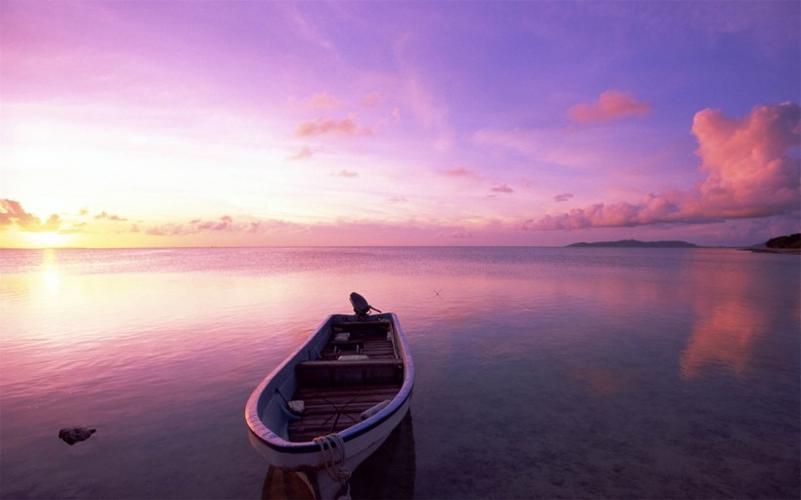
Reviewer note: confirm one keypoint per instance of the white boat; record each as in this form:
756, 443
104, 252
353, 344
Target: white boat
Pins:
335, 400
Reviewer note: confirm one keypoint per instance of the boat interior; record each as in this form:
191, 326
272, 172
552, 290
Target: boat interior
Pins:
358, 371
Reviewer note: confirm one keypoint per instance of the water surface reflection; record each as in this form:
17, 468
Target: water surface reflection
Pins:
551, 373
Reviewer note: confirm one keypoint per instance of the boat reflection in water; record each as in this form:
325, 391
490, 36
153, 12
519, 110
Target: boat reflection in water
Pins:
387, 473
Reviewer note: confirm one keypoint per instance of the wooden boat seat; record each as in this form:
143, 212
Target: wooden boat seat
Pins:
333, 373
363, 328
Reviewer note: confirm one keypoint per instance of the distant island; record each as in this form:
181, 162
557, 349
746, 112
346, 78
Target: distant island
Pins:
790, 243
635, 244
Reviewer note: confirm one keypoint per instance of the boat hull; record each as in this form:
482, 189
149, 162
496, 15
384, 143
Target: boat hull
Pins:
356, 449
266, 415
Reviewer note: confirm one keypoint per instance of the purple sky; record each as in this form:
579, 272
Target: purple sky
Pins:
398, 123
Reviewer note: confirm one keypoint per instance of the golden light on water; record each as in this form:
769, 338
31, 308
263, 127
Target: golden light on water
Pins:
50, 274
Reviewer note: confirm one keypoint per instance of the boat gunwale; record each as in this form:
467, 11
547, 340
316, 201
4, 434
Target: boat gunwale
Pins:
257, 427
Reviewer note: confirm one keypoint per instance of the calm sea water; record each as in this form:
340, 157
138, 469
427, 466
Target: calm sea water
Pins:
541, 372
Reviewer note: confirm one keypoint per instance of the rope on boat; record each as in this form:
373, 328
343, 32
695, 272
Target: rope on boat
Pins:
333, 449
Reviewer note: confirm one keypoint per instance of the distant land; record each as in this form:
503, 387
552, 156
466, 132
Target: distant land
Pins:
635, 244
790, 243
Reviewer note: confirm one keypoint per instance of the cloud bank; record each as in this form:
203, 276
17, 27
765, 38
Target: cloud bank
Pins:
751, 171
194, 226
13, 215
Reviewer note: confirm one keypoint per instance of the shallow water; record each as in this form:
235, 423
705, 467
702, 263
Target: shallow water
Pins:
541, 372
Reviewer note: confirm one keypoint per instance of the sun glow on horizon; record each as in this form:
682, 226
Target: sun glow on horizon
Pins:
48, 239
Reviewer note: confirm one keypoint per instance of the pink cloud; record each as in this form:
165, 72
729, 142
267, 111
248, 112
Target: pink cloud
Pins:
347, 173
225, 223
323, 100
611, 105
750, 173
12, 214
563, 197
398, 199
166, 230
502, 188
458, 172
346, 126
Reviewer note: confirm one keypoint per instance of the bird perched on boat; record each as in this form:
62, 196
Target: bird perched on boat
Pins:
72, 435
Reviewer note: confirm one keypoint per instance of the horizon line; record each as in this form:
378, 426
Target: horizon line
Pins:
195, 247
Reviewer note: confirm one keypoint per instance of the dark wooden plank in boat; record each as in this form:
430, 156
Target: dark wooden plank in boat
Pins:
370, 350
365, 341
324, 420
345, 324
349, 373
317, 406
324, 423
309, 396
327, 408
366, 349
360, 388
345, 398
331, 355
343, 405
366, 363
315, 392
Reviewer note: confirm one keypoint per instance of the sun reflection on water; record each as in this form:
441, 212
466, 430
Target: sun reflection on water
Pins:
50, 273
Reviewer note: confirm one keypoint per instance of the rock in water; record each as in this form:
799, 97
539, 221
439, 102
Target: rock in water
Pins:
72, 435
